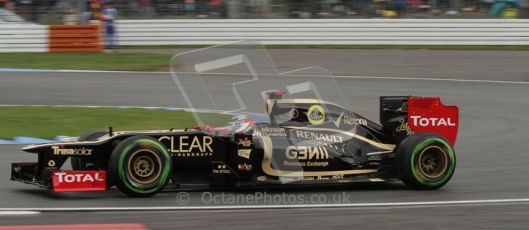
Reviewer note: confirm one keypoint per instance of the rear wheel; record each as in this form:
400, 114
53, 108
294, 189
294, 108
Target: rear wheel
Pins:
140, 166
425, 161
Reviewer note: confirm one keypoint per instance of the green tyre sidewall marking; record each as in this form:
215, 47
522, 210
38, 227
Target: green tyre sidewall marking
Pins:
415, 167
165, 171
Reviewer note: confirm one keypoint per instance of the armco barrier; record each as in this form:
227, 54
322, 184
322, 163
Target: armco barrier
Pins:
55, 38
75, 38
23, 38
326, 31
34, 38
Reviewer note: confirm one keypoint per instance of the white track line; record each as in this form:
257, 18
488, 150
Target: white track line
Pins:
293, 206
436, 79
9, 213
175, 109
337, 76
386, 78
96, 106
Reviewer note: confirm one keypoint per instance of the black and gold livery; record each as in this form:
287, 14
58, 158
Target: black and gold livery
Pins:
296, 141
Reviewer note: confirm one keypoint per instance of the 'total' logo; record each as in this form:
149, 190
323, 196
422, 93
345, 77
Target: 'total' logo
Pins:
70, 181
432, 121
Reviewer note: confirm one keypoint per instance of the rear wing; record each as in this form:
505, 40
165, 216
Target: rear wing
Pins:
405, 115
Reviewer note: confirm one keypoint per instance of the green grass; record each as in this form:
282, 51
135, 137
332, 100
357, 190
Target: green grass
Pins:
155, 61
395, 47
49, 122
403, 47
85, 61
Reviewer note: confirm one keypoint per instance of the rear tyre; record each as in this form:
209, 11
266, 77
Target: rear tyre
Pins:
140, 166
425, 161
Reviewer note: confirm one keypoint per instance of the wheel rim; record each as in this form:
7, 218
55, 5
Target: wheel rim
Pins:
433, 162
145, 166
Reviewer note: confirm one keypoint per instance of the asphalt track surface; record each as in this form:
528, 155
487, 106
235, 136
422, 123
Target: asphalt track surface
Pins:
461, 64
491, 150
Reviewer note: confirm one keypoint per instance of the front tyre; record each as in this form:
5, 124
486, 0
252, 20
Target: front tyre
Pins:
140, 166
425, 161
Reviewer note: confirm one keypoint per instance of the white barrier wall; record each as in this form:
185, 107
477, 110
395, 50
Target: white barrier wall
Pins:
34, 38
23, 38
326, 31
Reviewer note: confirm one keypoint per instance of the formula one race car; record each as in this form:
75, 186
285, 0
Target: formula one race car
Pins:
297, 141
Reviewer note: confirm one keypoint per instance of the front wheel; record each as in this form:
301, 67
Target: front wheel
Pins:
140, 166
425, 161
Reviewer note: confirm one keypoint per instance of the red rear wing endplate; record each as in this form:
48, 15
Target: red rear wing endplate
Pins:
428, 114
